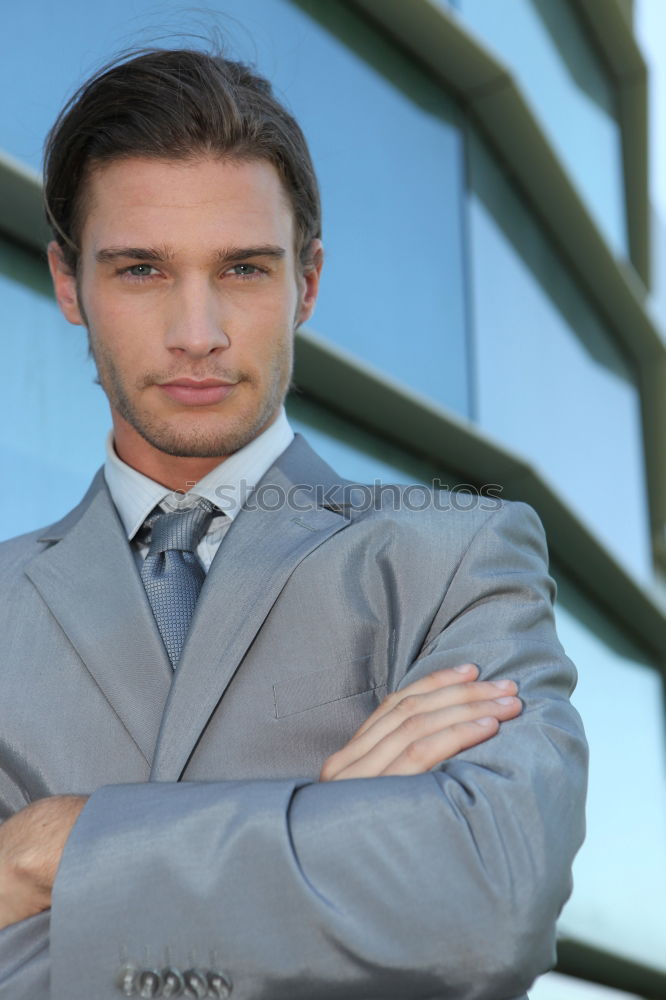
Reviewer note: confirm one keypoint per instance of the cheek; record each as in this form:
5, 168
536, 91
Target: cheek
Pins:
117, 314
270, 311
115, 351
120, 328
265, 330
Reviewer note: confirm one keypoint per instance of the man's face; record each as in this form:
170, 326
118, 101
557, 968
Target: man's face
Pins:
190, 288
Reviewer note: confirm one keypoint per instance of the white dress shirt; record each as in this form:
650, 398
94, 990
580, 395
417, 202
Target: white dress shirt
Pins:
227, 486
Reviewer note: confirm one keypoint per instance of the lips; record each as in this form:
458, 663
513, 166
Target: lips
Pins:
197, 392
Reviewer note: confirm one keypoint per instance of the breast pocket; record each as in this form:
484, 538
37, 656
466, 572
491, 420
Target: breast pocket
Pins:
346, 679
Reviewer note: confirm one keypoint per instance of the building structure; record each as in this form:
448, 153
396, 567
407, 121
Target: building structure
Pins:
485, 320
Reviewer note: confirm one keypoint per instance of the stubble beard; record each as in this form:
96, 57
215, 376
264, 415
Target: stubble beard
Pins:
195, 441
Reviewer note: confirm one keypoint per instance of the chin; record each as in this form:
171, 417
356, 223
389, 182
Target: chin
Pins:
181, 441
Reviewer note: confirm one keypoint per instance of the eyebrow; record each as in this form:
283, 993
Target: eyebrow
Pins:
243, 253
109, 254
159, 255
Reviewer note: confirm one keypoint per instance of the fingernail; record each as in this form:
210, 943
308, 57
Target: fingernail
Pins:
503, 685
465, 668
504, 701
487, 720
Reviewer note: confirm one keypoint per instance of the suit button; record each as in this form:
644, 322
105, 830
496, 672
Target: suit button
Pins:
126, 981
173, 983
219, 986
196, 984
149, 983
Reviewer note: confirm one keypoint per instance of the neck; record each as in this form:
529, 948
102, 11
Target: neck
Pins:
175, 472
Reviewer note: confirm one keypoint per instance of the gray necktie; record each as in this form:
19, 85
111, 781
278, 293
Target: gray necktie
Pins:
171, 572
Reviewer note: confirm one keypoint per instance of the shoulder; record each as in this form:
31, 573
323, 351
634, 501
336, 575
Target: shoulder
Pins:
16, 552
431, 529
19, 544
420, 515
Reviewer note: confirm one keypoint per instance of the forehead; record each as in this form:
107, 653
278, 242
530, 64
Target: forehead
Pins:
138, 199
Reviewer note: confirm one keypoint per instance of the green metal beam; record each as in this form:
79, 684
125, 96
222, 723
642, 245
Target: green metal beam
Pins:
21, 214
610, 23
575, 958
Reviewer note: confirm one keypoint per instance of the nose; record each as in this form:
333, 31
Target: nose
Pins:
196, 321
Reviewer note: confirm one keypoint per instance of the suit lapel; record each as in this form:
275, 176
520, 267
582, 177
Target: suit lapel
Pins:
89, 581
260, 551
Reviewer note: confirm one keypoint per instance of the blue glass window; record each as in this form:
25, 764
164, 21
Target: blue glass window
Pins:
556, 987
565, 80
553, 382
53, 418
617, 904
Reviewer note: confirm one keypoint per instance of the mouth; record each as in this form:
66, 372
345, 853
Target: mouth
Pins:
197, 392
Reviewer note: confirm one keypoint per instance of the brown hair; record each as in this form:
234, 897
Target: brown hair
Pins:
173, 104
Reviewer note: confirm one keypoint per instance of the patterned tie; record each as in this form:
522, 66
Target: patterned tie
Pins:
171, 572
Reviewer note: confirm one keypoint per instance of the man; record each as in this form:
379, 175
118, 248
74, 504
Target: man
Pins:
189, 675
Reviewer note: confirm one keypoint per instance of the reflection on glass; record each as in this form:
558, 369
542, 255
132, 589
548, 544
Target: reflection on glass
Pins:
566, 82
552, 382
619, 903
385, 142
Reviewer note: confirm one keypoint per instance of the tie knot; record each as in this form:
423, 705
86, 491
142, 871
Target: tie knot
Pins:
182, 530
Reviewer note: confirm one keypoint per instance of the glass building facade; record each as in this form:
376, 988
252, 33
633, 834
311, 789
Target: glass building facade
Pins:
502, 312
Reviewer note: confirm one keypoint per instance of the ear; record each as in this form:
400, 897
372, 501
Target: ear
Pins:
64, 284
310, 278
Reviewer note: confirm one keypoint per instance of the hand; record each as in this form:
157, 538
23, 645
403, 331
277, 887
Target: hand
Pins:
428, 722
31, 846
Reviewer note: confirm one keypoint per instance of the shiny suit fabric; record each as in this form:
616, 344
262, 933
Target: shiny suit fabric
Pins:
208, 842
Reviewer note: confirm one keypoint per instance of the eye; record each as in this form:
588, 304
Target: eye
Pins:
139, 271
246, 270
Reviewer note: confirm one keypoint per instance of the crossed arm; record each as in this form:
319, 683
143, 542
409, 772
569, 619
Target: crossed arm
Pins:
424, 724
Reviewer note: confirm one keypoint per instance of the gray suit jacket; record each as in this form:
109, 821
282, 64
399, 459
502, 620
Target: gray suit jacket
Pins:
208, 841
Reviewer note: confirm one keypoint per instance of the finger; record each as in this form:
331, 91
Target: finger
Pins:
395, 744
417, 704
424, 754
431, 682
420, 726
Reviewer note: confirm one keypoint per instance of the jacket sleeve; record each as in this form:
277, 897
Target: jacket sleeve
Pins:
446, 884
24, 959
24, 947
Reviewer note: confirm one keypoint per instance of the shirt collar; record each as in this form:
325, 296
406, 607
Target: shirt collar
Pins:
228, 485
